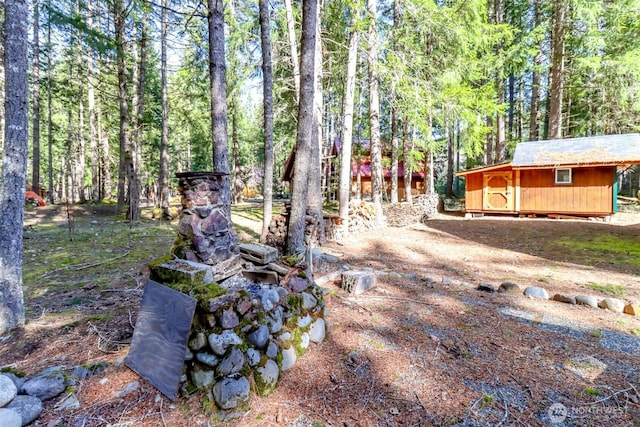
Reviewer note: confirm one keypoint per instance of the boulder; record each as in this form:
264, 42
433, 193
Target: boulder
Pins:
632, 309
612, 304
8, 390
45, 386
317, 330
588, 300
486, 287
220, 342
259, 337
358, 281
568, 299
229, 392
231, 364
29, 407
536, 292
509, 288
10, 418
288, 358
267, 378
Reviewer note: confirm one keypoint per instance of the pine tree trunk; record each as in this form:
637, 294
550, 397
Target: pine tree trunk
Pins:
394, 155
488, 150
139, 105
71, 155
534, 120
499, 152
293, 47
163, 177
91, 101
429, 177
217, 76
347, 131
267, 94
14, 165
377, 182
2, 78
305, 134
315, 196
450, 155
394, 112
35, 94
236, 178
50, 187
406, 160
104, 157
127, 153
556, 73
80, 145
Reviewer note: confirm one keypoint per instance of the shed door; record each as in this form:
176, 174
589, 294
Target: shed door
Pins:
498, 192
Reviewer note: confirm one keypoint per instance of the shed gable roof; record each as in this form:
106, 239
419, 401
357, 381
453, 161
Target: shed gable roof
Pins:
593, 150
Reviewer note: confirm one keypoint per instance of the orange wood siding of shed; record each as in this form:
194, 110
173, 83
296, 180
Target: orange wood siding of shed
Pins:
590, 192
474, 189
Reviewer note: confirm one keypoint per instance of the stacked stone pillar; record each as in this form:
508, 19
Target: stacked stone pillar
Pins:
205, 230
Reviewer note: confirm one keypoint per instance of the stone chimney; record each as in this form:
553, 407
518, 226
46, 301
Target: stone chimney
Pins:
205, 231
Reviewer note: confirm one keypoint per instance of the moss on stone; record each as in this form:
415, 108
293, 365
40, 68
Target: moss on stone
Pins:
202, 292
11, 370
296, 341
153, 265
291, 260
294, 302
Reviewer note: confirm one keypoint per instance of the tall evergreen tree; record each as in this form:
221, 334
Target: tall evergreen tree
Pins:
305, 134
377, 181
267, 100
14, 165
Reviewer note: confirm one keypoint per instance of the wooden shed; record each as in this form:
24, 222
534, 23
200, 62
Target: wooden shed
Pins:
576, 176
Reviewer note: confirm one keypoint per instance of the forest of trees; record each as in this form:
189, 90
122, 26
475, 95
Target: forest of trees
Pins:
120, 96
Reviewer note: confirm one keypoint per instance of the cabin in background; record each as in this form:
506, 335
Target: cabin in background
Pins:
360, 172
576, 176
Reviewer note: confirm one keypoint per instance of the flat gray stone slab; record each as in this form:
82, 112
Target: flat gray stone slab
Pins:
180, 270
258, 253
358, 281
159, 342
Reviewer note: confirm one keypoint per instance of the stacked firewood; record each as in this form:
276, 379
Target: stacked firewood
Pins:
403, 214
362, 216
277, 236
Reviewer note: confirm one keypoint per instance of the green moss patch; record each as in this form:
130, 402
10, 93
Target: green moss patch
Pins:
603, 249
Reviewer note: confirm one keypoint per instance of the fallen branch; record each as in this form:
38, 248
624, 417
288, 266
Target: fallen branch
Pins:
79, 267
84, 266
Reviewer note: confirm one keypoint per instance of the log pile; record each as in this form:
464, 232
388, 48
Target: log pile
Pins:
277, 235
362, 217
403, 214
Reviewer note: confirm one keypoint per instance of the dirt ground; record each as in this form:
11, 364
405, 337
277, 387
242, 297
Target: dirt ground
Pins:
423, 348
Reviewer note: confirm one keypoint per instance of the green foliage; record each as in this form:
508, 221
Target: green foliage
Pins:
487, 399
612, 249
592, 391
609, 289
